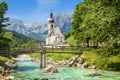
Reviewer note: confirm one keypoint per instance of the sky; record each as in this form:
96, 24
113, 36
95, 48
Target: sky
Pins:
30, 11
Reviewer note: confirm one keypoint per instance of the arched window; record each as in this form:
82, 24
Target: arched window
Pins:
52, 26
55, 38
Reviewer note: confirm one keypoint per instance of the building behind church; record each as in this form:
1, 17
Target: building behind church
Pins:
55, 35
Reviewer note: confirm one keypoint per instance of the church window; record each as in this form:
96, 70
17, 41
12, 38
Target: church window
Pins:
51, 25
56, 38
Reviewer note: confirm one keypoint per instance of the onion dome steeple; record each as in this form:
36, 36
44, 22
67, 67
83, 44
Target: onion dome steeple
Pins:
51, 19
51, 15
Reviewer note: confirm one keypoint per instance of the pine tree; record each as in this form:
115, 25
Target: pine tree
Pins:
3, 20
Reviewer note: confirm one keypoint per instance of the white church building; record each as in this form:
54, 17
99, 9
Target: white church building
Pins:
55, 36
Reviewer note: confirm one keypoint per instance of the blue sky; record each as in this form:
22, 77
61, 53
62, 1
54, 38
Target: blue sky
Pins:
38, 10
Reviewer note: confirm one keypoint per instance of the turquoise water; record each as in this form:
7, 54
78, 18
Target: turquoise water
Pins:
29, 70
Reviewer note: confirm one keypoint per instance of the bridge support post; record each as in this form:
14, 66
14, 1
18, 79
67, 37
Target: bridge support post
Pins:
43, 59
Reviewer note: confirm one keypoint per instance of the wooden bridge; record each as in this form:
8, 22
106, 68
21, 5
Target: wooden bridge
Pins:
43, 51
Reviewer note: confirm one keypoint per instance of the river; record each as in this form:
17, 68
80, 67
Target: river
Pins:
29, 70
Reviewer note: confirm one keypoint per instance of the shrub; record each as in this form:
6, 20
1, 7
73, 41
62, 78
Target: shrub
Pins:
115, 62
91, 57
101, 61
3, 59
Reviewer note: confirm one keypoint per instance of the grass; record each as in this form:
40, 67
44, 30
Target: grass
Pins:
59, 56
67, 52
55, 56
63, 49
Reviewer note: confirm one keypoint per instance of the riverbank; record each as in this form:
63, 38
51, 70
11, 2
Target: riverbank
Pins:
6, 67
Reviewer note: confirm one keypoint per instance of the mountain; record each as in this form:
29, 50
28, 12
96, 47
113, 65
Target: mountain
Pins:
38, 31
17, 26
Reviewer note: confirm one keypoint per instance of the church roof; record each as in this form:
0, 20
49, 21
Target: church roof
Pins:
55, 31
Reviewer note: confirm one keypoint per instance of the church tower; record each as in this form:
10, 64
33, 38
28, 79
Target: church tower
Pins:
50, 23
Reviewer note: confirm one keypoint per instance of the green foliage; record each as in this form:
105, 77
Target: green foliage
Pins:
115, 62
3, 59
69, 33
35, 55
4, 39
3, 9
98, 22
19, 40
93, 58
70, 38
71, 41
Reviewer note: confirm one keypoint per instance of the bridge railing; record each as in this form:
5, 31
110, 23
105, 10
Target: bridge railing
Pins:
61, 49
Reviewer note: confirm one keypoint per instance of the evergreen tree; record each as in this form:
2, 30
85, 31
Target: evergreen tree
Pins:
3, 9
3, 39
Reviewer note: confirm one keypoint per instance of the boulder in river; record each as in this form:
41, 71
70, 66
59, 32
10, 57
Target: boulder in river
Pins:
94, 74
50, 69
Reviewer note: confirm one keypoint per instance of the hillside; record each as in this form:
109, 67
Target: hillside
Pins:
19, 36
21, 41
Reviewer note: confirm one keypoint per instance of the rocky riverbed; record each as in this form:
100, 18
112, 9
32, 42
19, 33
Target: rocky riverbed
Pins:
30, 70
75, 61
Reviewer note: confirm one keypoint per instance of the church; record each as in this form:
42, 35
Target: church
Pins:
55, 35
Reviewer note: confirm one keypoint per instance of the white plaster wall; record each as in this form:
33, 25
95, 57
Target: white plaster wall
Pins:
53, 41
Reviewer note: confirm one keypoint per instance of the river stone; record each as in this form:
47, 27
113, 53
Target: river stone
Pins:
50, 69
10, 78
81, 60
85, 65
15, 66
93, 66
79, 65
94, 74
44, 79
